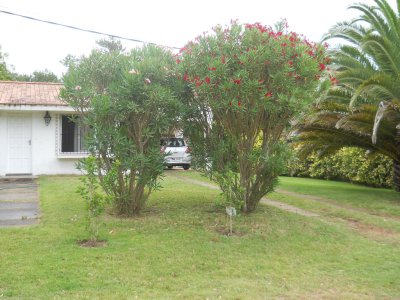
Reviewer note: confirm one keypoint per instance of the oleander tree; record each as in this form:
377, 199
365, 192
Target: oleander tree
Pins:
127, 102
244, 85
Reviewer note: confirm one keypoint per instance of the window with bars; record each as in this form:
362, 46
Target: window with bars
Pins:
72, 135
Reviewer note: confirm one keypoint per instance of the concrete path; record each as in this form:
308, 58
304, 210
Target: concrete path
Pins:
19, 204
277, 204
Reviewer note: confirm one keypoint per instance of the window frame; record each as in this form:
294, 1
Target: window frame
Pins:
59, 152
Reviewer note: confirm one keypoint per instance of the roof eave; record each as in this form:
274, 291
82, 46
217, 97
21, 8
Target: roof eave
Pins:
35, 107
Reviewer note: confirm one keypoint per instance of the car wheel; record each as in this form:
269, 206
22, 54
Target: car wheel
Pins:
170, 167
186, 167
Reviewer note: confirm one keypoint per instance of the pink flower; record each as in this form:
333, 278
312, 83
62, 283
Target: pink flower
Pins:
186, 77
207, 80
239, 103
212, 69
178, 61
322, 67
269, 94
147, 81
237, 81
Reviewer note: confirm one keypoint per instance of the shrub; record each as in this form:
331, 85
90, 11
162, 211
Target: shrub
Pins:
348, 164
244, 83
128, 102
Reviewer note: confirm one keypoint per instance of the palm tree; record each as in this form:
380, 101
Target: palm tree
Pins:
333, 126
367, 67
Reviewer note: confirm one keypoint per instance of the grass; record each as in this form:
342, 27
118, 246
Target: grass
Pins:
176, 249
378, 200
370, 212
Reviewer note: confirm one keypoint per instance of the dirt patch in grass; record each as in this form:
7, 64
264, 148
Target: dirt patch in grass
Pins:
225, 231
370, 230
92, 244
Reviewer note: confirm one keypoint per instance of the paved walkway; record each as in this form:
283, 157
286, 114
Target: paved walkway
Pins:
277, 204
19, 205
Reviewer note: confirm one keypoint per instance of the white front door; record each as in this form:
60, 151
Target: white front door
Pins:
19, 141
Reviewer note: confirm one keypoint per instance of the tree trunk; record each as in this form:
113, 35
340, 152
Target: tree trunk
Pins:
396, 175
252, 204
396, 162
136, 200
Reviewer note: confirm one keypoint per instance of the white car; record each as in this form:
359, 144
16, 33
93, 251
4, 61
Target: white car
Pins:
177, 152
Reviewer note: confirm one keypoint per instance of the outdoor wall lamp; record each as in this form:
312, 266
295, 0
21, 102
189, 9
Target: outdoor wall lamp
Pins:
47, 118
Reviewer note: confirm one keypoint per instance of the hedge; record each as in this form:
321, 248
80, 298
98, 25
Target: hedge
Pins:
348, 164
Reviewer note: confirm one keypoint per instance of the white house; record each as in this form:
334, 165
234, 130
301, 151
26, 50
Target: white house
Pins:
37, 135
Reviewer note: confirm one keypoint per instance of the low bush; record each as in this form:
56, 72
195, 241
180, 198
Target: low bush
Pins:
348, 164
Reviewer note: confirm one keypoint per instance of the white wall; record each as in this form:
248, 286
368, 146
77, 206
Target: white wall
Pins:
44, 152
44, 149
3, 142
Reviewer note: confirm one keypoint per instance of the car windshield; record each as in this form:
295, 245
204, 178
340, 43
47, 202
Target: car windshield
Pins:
173, 142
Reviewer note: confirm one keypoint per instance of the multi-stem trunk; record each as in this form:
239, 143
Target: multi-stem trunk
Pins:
244, 174
247, 170
137, 199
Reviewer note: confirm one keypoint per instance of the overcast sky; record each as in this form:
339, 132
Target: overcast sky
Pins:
37, 46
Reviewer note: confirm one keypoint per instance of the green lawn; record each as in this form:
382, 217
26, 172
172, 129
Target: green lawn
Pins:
177, 250
379, 200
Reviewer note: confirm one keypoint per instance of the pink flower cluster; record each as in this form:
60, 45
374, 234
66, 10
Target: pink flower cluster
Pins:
290, 48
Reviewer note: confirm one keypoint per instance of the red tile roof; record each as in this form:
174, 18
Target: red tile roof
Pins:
30, 93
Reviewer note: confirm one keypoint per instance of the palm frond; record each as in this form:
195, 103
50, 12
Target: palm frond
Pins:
367, 66
348, 31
